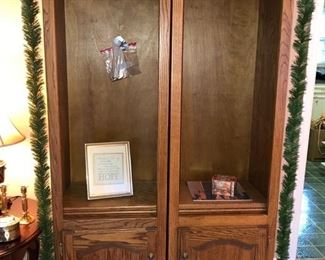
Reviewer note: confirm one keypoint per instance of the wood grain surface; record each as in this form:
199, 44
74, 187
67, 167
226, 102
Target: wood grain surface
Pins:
163, 127
223, 220
227, 106
175, 124
188, 207
283, 84
91, 224
85, 106
210, 99
143, 202
105, 111
56, 82
218, 86
265, 95
113, 244
223, 243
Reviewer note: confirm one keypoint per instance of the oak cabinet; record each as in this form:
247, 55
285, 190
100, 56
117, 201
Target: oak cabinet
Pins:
86, 107
210, 99
222, 243
229, 77
109, 244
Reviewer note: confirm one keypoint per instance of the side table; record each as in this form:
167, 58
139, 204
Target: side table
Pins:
28, 240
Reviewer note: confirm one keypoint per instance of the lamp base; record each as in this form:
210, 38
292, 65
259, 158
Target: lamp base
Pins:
9, 228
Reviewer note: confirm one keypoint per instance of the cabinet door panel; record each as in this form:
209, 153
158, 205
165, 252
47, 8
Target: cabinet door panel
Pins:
110, 244
113, 253
222, 243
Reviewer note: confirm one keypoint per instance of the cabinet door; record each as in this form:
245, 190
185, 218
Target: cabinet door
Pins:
109, 245
222, 243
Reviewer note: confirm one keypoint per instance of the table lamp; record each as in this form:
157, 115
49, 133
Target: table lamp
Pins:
8, 135
9, 225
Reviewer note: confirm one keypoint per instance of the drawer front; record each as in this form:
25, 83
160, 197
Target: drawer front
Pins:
132, 244
222, 243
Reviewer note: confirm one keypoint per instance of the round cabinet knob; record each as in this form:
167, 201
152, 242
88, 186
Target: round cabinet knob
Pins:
151, 256
185, 255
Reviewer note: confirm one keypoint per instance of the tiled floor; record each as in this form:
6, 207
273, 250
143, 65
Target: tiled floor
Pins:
311, 242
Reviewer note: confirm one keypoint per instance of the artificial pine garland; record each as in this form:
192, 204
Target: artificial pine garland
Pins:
291, 143
37, 122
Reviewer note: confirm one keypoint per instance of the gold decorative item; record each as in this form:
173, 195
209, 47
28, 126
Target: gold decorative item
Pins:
4, 200
26, 218
9, 225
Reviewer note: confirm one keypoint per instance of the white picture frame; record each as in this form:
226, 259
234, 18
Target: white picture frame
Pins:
108, 170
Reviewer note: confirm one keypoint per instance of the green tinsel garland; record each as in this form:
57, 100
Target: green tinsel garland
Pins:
37, 109
291, 143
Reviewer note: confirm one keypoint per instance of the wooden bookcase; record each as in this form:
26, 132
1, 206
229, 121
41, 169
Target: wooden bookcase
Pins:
86, 107
210, 99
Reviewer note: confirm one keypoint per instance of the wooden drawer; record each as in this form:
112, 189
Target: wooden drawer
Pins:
126, 244
224, 243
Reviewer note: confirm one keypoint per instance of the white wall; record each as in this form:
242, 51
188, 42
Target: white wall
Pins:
308, 101
321, 58
319, 94
13, 98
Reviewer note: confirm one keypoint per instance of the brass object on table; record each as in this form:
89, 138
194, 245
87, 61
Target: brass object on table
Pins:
26, 218
4, 200
9, 225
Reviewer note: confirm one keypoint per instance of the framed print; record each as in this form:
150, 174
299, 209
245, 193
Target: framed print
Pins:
108, 170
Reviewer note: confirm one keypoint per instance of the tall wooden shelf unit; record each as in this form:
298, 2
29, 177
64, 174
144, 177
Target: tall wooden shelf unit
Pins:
210, 99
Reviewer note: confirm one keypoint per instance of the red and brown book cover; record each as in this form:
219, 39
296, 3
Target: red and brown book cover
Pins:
201, 191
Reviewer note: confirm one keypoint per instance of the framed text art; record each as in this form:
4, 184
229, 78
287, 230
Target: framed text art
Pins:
108, 170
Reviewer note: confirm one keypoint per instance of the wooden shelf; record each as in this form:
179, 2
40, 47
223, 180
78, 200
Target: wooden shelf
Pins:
256, 205
185, 116
143, 202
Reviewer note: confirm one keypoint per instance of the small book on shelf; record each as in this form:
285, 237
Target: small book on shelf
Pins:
201, 191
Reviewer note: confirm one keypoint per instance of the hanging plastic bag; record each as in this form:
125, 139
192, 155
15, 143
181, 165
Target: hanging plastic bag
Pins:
131, 59
121, 59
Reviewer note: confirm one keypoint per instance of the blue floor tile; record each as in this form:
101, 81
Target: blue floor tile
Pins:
311, 241
316, 239
310, 229
303, 241
308, 252
321, 249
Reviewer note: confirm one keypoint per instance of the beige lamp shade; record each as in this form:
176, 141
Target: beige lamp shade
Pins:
8, 132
